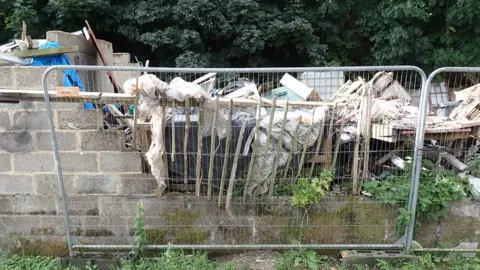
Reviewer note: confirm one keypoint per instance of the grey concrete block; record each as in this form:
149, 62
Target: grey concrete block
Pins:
67, 39
16, 184
117, 206
80, 205
19, 225
16, 141
58, 105
79, 119
122, 76
5, 163
105, 226
4, 121
137, 184
96, 184
33, 204
50, 225
30, 120
66, 140
21, 105
79, 162
6, 78
48, 184
102, 140
33, 162
120, 162
121, 59
26, 78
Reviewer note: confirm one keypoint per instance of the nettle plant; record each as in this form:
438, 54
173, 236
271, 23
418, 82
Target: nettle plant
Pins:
438, 188
307, 192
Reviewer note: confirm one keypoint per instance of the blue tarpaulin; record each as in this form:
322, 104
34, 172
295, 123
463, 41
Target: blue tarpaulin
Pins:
70, 76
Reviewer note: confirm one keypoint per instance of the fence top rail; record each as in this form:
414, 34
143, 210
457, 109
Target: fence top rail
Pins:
237, 70
451, 69
100, 97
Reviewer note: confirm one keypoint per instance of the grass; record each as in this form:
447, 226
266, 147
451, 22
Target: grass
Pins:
292, 259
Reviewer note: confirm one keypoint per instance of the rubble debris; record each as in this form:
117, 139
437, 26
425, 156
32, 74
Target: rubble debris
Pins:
299, 88
454, 161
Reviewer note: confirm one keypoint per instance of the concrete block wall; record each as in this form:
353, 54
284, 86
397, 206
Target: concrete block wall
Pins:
94, 161
87, 55
95, 81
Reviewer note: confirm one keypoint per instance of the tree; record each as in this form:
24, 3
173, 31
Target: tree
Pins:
253, 33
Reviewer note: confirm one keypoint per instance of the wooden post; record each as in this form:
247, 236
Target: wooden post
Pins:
199, 151
173, 130
185, 141
294, 148
319, 143
212, 151
234, 169
279, 146
227, 153
305, 146
254, 150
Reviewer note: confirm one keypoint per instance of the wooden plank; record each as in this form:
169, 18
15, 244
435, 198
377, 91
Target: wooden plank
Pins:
43, 52
109, 73
390, 154
454, 161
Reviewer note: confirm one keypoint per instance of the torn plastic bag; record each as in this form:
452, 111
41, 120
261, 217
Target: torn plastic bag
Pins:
233, 86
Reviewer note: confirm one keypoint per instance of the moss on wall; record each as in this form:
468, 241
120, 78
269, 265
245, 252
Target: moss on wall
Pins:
39, 247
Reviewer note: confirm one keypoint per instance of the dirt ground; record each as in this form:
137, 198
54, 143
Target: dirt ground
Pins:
251, 260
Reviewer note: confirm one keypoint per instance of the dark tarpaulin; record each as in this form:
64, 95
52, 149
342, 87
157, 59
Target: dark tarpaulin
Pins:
177, 167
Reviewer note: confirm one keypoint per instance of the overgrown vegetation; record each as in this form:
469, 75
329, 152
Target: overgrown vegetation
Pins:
311, 191
211, 33
300, 259
292, 259
438, 188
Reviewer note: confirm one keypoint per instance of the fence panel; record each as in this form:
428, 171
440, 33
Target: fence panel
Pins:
279, 170
446, 163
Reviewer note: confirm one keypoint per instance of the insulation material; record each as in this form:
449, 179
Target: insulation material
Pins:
150, 89
266, 154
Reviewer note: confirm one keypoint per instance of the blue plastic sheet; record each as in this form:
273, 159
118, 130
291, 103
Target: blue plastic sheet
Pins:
70, 76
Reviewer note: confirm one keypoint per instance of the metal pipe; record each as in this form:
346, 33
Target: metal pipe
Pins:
415, 179
446, 250
14, 59
418, 151
235, 70
242, 247
58, 166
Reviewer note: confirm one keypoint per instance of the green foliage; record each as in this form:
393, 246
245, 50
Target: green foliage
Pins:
216, 33
139, 230
300, 259
172, 260
438, 188
307, 192
292, 259
28, 263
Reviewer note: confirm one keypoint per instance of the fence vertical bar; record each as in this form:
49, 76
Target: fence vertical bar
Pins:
417, 159
58, 167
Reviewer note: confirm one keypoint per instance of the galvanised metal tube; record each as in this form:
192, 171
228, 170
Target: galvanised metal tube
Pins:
419, 140
446, 250
236, 70
14, 59
58, 167
255, 246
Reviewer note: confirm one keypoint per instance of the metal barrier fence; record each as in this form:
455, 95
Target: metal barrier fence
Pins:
234, 189
445, 163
